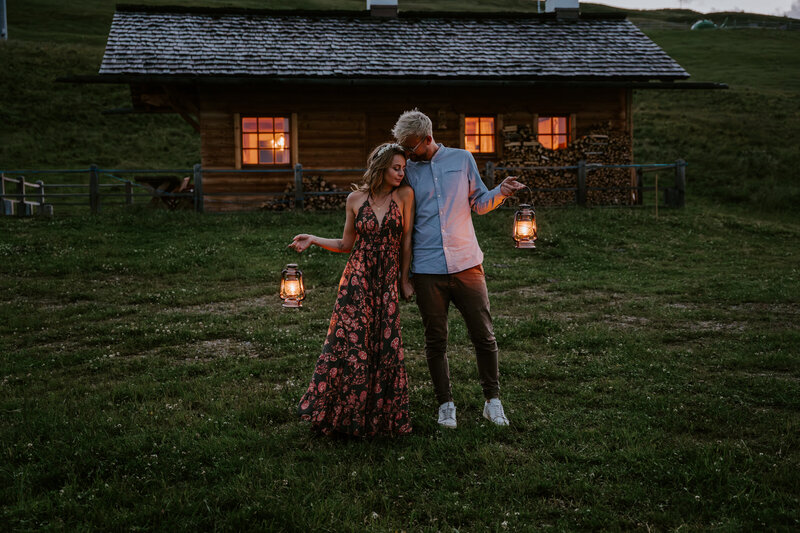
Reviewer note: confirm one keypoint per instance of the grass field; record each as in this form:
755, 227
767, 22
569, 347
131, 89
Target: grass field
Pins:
649, 364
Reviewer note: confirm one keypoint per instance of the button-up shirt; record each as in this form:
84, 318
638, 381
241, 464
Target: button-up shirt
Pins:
446, 189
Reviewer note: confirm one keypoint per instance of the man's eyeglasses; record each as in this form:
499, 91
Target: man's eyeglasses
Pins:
413, 150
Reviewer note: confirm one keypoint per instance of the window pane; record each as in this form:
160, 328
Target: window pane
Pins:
266, 141
470, 125
560, 125
265, 124
249, 124
546, 141
544, 126
471, 143
487, 143
249, 140
250, 157
281, 124
487, 125
562, 141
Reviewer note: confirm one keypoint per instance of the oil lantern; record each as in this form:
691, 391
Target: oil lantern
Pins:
292, 290
525, 227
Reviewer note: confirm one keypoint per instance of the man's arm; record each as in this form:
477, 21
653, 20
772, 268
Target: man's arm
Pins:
481, 199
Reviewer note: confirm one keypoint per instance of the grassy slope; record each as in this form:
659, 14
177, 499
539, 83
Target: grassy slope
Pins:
739, 142
649, 365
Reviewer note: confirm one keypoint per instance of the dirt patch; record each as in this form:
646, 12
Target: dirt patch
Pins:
204, 351
779, 376
233, 306
220, 349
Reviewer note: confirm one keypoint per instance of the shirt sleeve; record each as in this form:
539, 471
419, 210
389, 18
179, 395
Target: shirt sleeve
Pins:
481, 199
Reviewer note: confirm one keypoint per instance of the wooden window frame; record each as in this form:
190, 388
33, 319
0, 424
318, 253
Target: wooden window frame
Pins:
291, 137
570, 129
493, 135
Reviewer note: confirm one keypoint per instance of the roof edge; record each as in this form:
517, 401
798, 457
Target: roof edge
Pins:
221, 11
668, 84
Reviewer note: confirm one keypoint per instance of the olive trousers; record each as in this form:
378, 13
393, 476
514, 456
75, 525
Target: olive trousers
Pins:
467, 290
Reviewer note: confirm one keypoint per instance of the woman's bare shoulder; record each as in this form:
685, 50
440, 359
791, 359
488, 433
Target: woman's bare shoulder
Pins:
356, 198
405, 192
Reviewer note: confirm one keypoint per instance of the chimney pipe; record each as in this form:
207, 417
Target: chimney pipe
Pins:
382, 8
564, 9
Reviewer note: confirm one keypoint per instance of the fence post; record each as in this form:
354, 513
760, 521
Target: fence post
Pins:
680, 183
639, 185
42, 209
490, 174
40, 183
656, 191
298, 187
199, 205
5, 206
128, 193
22, 207
581, 192
94, 189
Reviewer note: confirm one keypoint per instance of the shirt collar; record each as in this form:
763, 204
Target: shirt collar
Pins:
435, 157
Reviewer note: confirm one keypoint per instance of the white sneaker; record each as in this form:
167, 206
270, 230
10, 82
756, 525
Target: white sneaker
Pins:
447, 415
493, 411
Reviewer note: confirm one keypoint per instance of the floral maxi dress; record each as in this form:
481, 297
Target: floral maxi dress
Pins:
359, 386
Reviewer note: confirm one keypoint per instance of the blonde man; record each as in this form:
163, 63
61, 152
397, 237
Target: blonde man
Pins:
447, 261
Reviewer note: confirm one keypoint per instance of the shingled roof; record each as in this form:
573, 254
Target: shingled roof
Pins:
161, 42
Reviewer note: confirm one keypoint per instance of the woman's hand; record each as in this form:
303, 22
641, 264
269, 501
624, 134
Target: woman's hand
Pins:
406, 290
301, 242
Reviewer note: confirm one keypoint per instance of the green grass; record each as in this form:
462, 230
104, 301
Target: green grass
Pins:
649, 365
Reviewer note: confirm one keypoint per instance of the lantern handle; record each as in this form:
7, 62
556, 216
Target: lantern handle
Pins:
516, 198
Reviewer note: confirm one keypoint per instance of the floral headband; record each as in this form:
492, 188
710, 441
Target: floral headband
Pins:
386, 147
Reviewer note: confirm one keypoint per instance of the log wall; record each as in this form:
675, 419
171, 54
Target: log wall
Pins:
337, 127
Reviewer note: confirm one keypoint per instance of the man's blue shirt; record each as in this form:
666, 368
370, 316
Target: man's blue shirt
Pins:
446, 189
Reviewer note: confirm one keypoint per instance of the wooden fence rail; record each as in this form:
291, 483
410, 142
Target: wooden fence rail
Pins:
23, 203
166, 186
674, 196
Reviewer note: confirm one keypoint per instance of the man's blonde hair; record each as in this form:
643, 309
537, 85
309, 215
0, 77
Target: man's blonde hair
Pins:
412, 123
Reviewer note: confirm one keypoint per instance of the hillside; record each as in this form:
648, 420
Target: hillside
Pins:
737, 142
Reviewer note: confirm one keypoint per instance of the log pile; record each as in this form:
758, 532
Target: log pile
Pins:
314, 202
601, 145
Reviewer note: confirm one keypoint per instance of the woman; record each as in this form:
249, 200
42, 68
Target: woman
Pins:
359, 386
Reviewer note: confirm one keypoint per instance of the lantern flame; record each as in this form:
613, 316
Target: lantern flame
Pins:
292, 288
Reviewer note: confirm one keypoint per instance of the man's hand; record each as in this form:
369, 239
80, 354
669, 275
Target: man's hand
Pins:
406, 290
510, 185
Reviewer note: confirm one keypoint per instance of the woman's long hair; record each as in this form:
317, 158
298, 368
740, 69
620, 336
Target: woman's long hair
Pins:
378, 161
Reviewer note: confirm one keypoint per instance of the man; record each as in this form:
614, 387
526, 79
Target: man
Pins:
447, 261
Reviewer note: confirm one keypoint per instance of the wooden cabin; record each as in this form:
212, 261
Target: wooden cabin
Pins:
268, 90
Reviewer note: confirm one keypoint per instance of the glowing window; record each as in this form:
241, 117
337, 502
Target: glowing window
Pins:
554, 132
479, 134
265, 141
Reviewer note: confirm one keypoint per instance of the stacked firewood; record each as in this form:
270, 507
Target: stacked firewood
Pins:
311, 184
601, 145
